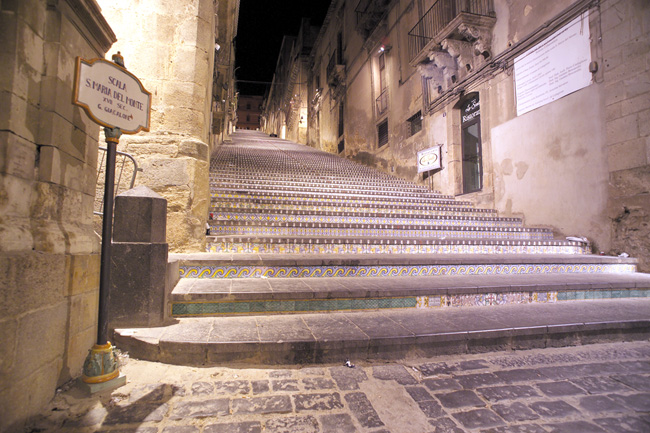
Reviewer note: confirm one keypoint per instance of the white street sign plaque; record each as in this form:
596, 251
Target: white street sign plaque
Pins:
111, 95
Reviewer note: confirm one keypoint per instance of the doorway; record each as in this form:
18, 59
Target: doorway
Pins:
472, 166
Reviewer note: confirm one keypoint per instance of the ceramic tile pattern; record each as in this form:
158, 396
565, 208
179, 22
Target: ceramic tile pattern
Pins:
419, 302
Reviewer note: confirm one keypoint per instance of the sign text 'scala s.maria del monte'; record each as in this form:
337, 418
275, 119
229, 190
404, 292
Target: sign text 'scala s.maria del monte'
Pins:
111, 95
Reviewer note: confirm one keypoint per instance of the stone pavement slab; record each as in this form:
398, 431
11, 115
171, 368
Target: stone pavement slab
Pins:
472, 393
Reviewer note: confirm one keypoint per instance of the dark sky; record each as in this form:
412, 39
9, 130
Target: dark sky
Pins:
262, 24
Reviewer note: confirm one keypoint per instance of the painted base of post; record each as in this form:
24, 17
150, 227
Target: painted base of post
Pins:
93, 388
100, 370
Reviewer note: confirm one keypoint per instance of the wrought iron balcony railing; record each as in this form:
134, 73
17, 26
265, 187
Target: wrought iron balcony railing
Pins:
442, 20
382, 102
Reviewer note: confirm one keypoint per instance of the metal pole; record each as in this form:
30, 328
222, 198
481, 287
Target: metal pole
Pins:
112, 139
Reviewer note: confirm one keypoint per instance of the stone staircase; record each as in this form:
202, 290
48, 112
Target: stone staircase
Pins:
295, 232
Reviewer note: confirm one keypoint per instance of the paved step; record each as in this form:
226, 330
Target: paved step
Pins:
271, 265
220, 215
238, 296
393, 246
352, 208
415, 232
237, 180
393, 334
381, 201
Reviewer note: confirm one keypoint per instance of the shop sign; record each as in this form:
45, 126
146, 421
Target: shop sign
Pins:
429, 159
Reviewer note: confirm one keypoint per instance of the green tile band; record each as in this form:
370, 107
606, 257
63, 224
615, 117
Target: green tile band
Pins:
205, 308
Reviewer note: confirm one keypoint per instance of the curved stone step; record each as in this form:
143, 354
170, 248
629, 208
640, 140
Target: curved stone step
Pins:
395, 334
232, 296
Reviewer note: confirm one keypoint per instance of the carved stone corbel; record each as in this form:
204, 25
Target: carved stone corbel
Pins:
481, 37
462, 52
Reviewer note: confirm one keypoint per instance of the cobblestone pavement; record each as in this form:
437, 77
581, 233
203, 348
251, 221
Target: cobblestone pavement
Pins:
596, 388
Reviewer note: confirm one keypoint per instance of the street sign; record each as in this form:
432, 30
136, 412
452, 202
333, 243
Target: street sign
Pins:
111, 95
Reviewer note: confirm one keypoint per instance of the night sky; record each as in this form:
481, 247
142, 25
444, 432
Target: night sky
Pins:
262, 24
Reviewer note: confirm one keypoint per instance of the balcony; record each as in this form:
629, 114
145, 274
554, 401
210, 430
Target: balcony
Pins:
369, 14
382, 102
444, 20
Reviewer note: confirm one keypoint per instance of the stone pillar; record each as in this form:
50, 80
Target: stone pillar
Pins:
139, 261
171, 49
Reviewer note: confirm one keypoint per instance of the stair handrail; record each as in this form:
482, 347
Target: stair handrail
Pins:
118, 178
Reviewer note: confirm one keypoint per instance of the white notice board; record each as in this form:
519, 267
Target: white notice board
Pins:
555, 67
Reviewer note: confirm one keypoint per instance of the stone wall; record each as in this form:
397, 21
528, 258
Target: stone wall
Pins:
625, 26
49, 253
171, 49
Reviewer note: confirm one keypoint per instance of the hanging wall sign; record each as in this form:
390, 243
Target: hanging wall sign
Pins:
429, 159
111, 95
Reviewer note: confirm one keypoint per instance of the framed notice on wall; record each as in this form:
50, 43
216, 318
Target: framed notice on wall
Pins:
554, 68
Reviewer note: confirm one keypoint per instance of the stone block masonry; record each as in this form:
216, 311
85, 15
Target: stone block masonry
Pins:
49, 254
626, 72
177, 68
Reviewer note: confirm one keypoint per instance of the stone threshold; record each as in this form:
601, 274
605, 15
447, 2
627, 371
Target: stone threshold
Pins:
395, 334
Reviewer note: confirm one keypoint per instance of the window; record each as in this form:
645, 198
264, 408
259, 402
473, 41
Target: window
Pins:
248, 106
248, 118
339, 48
341, 146
414, 123
382, 72
341, 119
382, 133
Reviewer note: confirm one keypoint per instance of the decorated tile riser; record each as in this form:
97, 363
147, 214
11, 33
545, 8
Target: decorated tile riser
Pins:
344, 186
395, 270
344, 232
329, 195
419, 302
342, 219
339, 248
332, 198
356, 210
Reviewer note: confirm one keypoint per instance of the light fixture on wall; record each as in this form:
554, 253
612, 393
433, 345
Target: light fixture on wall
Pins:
383, 48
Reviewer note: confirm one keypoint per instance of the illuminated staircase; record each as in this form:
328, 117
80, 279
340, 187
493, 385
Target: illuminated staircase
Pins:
295, 232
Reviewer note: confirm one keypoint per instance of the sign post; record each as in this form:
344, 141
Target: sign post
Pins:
115, 99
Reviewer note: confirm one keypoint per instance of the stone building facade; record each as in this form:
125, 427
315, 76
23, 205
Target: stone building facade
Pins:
392, 78
285, 112
249, 111
49, 250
